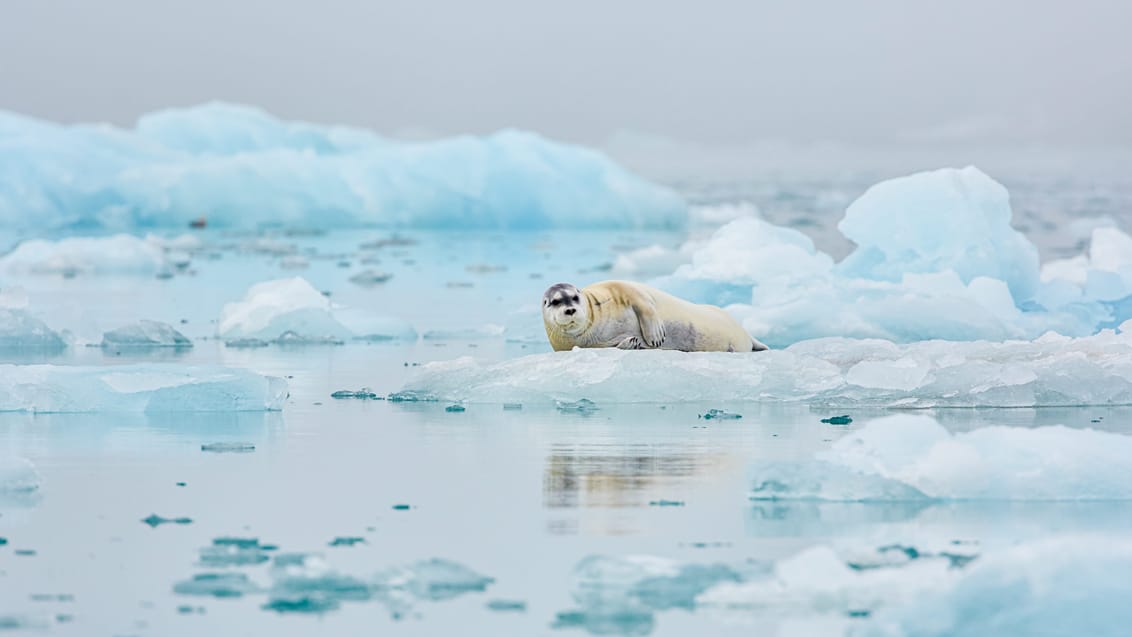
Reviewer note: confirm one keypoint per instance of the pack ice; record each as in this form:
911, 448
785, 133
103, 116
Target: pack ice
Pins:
1053, 370
240, 167
936, 257
137, 388
907, 457
293, 311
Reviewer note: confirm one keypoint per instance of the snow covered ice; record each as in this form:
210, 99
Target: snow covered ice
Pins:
240, 167
907, 457
1054, 370
138, 388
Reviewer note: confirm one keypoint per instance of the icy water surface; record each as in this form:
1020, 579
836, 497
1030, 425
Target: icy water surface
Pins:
359, 515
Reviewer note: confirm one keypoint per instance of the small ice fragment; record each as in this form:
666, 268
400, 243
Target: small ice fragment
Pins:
837, 420
347, 541
221, 585
155, 520
401, 507
235, 551
246, 343
719, 414
666, 503
362, 394
144, 334
455, 408
580, 406
370, 278
304, 584
189, 610
228, 447
512, 406
3, 541
507, 605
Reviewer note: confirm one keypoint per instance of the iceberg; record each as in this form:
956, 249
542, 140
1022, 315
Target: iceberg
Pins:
276, 308
239, 167
137, 388
907, 457
145, 334
1051, 371
20, 331
936, 258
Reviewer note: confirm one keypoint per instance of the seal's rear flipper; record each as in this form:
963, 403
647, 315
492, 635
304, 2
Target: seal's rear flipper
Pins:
756, 346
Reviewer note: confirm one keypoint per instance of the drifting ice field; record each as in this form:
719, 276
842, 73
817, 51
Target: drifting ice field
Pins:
937, 444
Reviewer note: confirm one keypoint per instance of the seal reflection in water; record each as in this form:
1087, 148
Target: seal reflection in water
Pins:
631, 315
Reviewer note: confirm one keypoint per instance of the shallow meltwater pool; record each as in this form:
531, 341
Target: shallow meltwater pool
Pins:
530, 504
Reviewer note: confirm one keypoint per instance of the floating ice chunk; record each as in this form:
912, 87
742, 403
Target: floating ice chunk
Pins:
908, 457
239, 167
305, 584
940, 220
488, 330
273, 308
17, 475
119, 254
144, 334
141, 387
221, 585
370, 278
433, 580
1053, 370
750, 251
19, 330
228, 447
235, 551
154, 520
1076, 585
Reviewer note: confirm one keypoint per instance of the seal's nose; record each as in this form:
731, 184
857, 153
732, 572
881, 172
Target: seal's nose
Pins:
570, 312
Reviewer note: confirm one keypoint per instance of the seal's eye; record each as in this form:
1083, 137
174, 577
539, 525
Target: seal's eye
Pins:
575, 298
555, 302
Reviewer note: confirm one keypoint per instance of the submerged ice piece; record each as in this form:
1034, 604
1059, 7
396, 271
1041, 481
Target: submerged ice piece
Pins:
145, 334
140, 387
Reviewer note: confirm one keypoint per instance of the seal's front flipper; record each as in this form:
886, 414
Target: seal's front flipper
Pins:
652, 328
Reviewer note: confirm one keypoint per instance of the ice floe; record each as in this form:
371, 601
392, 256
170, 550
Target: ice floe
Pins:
138, 387
118, 254
145, 334
910, 457
237, 166
20, 331
1053, 370
17, 475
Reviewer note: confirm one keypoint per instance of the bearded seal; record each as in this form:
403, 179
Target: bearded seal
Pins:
631, 315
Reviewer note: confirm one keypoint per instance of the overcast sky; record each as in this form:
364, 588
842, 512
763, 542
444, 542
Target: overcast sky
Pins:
709, 72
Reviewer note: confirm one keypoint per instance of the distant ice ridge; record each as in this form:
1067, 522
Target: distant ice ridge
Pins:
907, 457
120, 254
240, 167
936, 257
293, 311
137, 388
1052, 370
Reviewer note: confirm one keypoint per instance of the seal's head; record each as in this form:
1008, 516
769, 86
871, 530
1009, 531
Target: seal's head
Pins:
564, 308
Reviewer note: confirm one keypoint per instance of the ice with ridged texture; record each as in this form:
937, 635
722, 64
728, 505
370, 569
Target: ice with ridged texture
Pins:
274, 308
17, 475
137, 388
1054, 370
145, 334
907, 457
119, 254
20, 331
936, 257
238, 166
1076, 585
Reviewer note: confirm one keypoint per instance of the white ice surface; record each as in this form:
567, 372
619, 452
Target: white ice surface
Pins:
910, 457
1054, 370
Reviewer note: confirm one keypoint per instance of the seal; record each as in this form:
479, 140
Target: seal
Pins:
631, 315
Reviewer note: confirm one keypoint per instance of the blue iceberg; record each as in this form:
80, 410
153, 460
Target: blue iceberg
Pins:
238, 167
